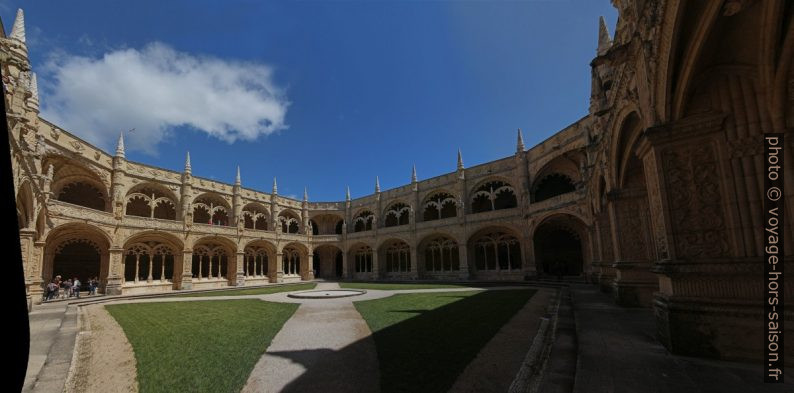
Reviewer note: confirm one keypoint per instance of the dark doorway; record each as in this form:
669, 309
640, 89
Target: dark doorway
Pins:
339, 267
558, 252
79, 259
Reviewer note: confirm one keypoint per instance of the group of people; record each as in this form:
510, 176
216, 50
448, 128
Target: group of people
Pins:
63, 289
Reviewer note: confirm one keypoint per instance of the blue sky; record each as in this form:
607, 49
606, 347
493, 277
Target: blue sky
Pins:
322, 94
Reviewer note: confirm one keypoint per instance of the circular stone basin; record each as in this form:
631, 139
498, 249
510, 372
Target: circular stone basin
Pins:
329, 294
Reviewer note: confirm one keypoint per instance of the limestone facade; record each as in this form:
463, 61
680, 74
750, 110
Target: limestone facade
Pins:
655, 195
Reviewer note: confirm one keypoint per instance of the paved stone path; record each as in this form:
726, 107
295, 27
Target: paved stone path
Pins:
618, 352
52, 335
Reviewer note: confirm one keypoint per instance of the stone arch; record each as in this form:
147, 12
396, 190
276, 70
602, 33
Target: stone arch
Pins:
25, 205
77, 184
558, 176
151, 200
294, 260
152, 258
327, 223
496, 252
439, 256
396, 256
289, 221
624, 142
255, 216
212, 209
363, 220
396, 213
214, 258
438, 205
494, 193
259, 261
560, 241
77, 249
361, 257
328, 260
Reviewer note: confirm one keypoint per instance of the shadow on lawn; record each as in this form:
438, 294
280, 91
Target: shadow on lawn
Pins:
425, 353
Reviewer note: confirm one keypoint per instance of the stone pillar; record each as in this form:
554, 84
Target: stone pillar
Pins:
186, 281
464, 262
309, 275
276, 274
239, 277
414, 263
115, 275
375, 266
528, 265
36, 267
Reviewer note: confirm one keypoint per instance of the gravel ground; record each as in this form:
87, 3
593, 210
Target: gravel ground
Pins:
105, 361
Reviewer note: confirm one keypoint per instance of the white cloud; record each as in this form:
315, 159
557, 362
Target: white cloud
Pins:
155, 89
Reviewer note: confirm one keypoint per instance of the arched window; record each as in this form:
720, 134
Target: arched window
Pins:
211, 211
150, 202
255, 217
291, 261
338, 228
493, 195
553, 185
82, 194
440, 205
497, 251
210, 261
441, 254
255, 264
363, 221
398, 257
148, 262
315, 228
397, 214
289, 222
363, 257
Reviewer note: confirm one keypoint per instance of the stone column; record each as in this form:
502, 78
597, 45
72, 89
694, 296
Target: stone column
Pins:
115, 272
309, 275
464, 263
414, 263
239, 277
375, 266
186, 281
276, 273
36, 266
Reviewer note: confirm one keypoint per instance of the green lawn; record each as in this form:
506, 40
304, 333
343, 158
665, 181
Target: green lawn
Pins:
206, 346
254, 291
424, 341
384, 286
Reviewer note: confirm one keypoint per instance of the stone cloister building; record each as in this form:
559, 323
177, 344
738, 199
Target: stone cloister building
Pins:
655, 194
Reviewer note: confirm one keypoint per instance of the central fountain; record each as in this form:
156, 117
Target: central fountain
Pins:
327, 294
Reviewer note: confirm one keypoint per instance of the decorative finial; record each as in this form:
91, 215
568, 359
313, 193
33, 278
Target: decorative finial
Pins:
520, 144
34, 88
275, 186
120, 145
347, 196
18, 31
305, 194
237, 179
460, 160
604, 41
377, 184
413, 174
187, 163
